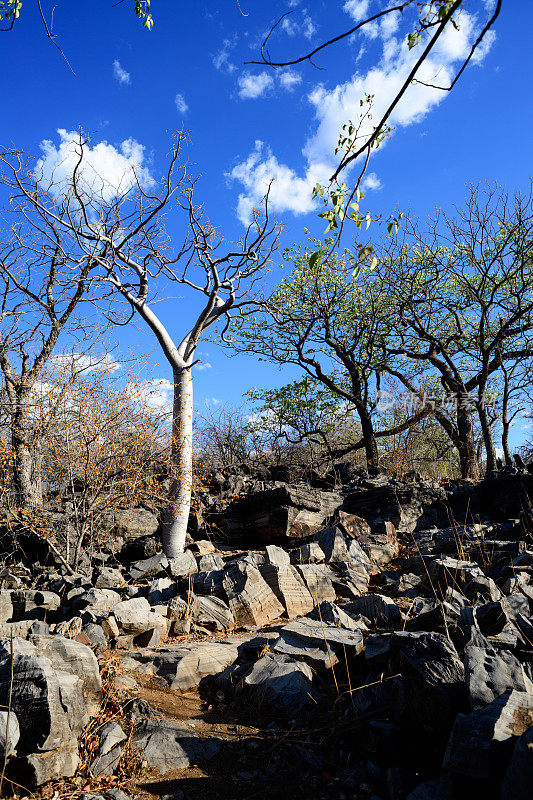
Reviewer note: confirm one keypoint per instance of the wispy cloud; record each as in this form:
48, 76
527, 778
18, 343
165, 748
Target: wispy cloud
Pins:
251, 86
289, 79
121, 75
181, 104
222, 59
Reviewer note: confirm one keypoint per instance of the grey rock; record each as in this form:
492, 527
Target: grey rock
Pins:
310, 553
106, 763
333, 543
149, 638
211, 612
482, 739
80, 682
161, 590
135, 523
279, 687
101, 600
318, 642
210, 562
107, 578
38, 768
518, 779
167, 745
318, 579
289, 588
9, 732
276, 556
6, 606
380, 610
183, 565
134, 616
433, 682
185, 666
251, 600
148, 567
210, 582
489, 674
111, 734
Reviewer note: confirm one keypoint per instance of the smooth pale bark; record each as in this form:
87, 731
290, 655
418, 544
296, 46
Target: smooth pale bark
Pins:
176, 515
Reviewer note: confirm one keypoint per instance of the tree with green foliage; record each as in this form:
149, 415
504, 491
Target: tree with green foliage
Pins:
460, 290
329, 320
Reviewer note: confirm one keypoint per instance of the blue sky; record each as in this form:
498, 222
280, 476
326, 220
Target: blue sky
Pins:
248, 124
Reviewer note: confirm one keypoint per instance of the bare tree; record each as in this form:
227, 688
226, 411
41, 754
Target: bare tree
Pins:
45, 278
125, 237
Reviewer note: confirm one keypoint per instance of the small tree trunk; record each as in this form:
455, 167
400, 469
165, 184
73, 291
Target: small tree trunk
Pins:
176, 515
488, 441
506, 422
465, 440
371, 445
26, 468
505, 442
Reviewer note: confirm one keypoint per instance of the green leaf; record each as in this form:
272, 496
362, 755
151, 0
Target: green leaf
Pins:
413, 39
313, 258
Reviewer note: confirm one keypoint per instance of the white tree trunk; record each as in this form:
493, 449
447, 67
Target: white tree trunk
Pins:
176, 515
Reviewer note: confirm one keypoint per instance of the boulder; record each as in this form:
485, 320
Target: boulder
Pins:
54, 688
319, 581
378, 608
279, 687
481, 742
148, 567
310, 553
9, 732
166, 745
183, 565
316, 641
518, 779
107, 578
251, 600
285, 512
185, 666
211, 612
289, 588
134, 616
433, 685
489, 674
135, 523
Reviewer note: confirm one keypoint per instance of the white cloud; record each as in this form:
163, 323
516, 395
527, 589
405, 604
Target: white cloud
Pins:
106, 171
252, 86
308, 27
292, 26
288, 192
86, 362
120, 74
289, 79
333, 107
212, 401
181, 104
371, 182
203, 365
357, 9
156, 393
221, 60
